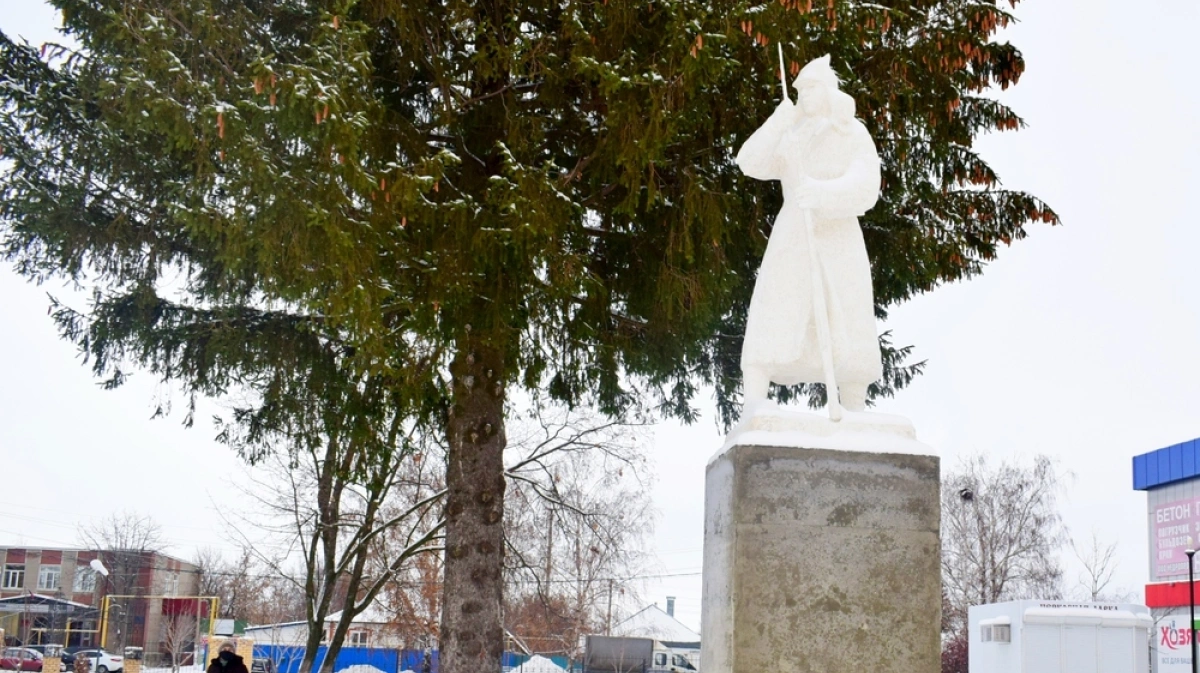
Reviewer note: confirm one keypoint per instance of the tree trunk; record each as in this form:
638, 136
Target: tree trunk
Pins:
323, 545
472, 634
351, 608
334, 647
312, 643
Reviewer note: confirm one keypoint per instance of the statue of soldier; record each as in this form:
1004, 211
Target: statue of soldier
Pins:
812, 316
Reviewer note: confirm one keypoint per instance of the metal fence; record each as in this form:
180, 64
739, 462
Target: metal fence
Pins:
287, 659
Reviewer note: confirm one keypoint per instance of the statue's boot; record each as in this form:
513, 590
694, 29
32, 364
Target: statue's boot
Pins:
853, 396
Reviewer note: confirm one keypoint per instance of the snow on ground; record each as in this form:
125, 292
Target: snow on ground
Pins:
198, 668
361, 668
538, 664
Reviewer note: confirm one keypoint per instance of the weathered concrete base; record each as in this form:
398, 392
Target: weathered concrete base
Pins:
822, 561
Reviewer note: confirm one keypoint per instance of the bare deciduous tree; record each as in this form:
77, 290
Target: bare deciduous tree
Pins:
414, 597
275, 600
1001, 533
179, 638
351, 517
213, 573
1099, 561
1099, 564
124, 531
125, 542
234, 583
124, 539
577, 515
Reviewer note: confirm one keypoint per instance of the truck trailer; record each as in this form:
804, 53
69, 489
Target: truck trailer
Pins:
612, 654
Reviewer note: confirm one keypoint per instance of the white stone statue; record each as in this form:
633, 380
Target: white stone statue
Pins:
812, 314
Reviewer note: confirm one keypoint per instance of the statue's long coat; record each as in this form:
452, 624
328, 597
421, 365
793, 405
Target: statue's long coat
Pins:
781, 331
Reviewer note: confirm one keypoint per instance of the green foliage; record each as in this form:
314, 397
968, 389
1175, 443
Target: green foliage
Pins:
325, 203
557, 176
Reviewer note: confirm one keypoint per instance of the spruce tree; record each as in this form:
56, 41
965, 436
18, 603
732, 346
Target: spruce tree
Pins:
469, 198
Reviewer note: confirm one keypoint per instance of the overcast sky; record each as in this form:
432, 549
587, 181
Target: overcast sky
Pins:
1079, 342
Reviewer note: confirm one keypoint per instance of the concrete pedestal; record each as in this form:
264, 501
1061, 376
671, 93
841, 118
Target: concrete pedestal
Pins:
821, 560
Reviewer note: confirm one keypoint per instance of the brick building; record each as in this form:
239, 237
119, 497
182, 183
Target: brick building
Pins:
53, 595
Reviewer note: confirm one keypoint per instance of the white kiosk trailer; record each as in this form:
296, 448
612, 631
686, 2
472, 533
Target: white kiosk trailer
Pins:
1035, 636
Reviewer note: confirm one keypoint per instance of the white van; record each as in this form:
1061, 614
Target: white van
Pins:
667, 661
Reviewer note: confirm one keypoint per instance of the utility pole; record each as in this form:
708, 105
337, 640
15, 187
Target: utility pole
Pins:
1192, 605
608, 619
196, 642
549, 544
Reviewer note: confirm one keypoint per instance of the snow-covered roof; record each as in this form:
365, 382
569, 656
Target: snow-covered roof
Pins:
539, 664
41, 598
653, 622
268, 627
372, 615
1114, 618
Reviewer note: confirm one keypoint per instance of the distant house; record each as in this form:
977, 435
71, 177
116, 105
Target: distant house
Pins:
63, 592
653, 622
371, 628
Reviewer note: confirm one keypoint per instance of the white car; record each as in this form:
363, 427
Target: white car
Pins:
107, 664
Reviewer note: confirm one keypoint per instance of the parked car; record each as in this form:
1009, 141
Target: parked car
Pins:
20, 659
108, 662
68, 658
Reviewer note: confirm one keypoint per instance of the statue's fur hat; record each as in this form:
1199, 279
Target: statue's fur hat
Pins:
818, 70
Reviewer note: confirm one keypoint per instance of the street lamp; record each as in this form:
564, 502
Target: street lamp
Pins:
1192, 602
98, 567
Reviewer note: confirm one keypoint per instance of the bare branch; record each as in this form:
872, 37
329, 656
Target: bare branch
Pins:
1001, 533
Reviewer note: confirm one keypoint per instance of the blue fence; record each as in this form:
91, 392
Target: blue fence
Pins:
518, 659
287, 659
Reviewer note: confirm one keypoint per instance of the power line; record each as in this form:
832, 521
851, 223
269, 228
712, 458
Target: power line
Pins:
26, 517
74, 527
54, 541
608, 579
62, 511
525, 581
669, 552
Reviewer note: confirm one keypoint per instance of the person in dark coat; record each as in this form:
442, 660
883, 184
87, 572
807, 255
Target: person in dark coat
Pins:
227, 660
